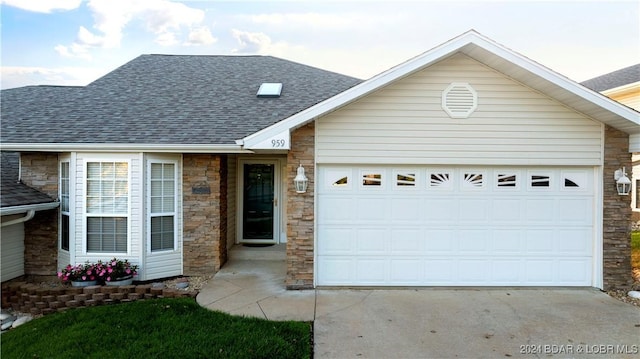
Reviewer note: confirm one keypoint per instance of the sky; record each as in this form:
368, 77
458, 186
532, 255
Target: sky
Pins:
74, 42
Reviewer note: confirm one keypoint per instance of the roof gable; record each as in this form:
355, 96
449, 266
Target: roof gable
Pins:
486, 51
622, 77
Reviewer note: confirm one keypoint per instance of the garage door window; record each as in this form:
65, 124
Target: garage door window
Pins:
405, 179
540, 181
440, 180
473, 181
507, 180
371, 179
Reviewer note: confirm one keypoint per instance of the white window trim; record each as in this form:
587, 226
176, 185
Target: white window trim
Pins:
176, 203
85, 215
67, 160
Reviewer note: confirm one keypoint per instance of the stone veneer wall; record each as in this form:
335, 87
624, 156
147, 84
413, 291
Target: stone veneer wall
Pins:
617, 213
300, 210
205, 213
39, 170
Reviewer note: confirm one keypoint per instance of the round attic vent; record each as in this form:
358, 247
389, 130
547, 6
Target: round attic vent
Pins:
459, 100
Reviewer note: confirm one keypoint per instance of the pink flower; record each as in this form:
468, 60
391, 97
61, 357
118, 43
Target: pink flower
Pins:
128, 271
84, 277
109, 269
114, 263
108, 279
59, 274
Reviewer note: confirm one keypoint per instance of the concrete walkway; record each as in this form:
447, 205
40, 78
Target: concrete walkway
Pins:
433, 322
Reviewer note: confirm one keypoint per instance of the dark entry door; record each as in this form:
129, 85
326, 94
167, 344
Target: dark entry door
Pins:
258, 202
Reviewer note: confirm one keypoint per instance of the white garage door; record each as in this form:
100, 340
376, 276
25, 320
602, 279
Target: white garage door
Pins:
413, 226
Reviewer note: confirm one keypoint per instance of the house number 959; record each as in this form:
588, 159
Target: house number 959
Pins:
278, 143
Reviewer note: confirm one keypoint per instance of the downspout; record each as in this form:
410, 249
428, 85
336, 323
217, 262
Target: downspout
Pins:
30, 213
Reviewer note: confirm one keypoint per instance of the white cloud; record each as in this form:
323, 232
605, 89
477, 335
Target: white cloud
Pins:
200, 36
64, 76
251, 42
164, 19
44, 6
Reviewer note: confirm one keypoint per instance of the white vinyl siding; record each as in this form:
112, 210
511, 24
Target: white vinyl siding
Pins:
65, 190
163, 255
404, 123
12, 247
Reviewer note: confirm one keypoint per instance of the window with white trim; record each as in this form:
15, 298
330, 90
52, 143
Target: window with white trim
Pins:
107, 207
64, 205
162, 205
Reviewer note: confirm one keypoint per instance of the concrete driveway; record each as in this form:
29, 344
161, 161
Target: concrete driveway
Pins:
433, 322
474, 323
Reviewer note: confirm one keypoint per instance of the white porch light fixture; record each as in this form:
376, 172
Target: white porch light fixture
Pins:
301, 181
623, 183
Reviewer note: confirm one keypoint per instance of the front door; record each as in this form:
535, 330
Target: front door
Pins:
259, 199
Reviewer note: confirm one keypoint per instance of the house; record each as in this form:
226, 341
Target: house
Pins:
19, 204
467, 165
623, 86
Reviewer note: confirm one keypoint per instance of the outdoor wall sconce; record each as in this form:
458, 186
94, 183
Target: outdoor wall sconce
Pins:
301, 181
623, 183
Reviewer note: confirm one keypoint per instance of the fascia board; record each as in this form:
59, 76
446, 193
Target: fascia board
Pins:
123, 147
5, 211
559, 80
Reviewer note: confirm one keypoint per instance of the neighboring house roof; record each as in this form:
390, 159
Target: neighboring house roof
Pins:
625, 76
493, 55
16, 194
166, 100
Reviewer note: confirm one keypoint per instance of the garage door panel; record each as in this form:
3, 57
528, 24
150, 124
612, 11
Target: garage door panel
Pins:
540, 210
573, 271
473, 271
455, 226
407, 271
405, 210
473, 210
440, 240
506, 210
507, 242
372, 271
439, 210
372, 241
336, 270
506, 272
575, 210
539, 272
572, 242
371, 209
336, 241
407, 241
473, 241
440, 272
336, 210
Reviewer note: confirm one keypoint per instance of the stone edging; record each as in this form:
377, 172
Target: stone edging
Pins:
37, 300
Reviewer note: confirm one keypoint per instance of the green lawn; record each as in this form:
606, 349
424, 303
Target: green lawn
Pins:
158, 328
635, 250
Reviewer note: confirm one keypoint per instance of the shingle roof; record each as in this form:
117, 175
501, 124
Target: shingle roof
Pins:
167, 99
12, 192
625, 76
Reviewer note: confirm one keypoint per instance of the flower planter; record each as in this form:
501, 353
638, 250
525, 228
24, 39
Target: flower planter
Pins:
83, 283
120, 281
